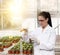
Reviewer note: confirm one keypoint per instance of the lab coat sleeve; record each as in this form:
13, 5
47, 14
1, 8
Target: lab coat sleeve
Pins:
32, 36
50, 44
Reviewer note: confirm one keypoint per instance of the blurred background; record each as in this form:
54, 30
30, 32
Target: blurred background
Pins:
17, 14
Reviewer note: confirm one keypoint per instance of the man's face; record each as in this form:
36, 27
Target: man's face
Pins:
42, 21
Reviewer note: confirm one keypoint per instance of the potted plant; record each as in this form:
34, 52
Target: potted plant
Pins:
1, 49
10, 51
17, 50
24, 48
29, 51
13, 51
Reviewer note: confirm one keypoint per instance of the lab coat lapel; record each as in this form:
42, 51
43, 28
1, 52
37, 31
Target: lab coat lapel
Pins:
46, 28
44, 34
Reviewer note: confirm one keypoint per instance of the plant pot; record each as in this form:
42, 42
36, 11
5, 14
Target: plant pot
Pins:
17, 52
13, 52
1, 49
24, 52
10, 52
29, 52
4, 46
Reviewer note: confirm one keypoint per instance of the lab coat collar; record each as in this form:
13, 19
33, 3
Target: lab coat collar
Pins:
46, 28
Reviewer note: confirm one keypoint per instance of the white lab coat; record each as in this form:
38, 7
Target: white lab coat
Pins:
47, 40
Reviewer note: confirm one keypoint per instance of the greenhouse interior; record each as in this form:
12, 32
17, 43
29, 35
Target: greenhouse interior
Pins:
19, 18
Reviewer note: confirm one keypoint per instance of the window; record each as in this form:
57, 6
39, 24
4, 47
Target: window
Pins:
13, 13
